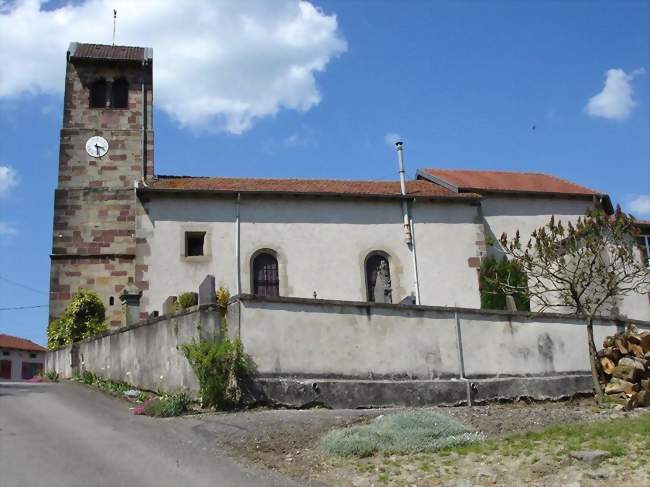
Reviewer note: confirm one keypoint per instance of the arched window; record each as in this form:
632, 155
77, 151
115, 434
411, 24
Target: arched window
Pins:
265, 275
98, 93
378, 278
120, 93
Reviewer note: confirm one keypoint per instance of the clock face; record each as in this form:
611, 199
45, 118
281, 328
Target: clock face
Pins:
97, 146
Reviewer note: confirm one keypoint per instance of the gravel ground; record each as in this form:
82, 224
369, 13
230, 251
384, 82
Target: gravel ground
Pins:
286, 441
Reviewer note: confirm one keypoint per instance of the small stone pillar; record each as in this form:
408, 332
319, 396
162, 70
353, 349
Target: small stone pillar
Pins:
130, 298
207, 291
510, 303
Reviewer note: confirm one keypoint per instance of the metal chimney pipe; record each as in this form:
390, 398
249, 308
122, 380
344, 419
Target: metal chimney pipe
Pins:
409, 233
400, 156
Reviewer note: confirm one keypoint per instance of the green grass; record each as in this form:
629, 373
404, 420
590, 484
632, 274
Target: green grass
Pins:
613, 436
402, 433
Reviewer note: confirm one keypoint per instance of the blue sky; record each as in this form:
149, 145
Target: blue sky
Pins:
463, 83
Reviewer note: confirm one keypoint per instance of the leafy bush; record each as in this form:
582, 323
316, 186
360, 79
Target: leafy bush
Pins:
87, 377
401, 433
83, 318
167, 406
494, 271
187, 300
219, 367
52, 375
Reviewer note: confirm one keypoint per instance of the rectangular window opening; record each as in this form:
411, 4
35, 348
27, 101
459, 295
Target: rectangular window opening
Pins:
194, 244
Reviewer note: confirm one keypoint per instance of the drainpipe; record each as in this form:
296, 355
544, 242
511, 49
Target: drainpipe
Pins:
237, 241
409, 236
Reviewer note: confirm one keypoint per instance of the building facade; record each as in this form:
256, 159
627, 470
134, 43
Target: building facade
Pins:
20, 359
116, 220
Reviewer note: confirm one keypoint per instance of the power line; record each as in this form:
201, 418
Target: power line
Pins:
25, 307
21, 285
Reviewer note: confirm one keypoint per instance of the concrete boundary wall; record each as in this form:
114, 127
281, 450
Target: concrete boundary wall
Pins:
352, 354
145, 355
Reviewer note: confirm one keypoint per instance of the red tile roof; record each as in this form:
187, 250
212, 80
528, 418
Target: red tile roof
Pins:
8, 341
416, 188
105, 52
502, 181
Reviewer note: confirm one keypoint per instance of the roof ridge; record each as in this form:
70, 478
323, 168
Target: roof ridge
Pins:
166, 176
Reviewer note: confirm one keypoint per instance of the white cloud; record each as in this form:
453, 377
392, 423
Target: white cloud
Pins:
8, 179
615, 100
217, 65
7, 230
639, 205
391, 137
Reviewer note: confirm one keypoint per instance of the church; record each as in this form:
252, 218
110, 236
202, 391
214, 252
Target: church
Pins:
417, 241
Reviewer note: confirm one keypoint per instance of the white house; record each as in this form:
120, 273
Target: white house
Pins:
20, 359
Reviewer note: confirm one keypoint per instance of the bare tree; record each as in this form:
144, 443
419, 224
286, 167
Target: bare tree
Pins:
580, 268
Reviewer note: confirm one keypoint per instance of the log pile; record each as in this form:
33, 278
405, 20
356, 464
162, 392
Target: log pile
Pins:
625, 366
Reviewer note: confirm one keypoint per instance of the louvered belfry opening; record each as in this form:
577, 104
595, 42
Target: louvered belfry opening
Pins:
98, 93
265, 275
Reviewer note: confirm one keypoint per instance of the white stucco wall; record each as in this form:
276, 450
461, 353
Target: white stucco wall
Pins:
346, 340
321, 245
526, 213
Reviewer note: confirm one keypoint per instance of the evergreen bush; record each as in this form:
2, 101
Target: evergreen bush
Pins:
495, 271
83, 318
187, 300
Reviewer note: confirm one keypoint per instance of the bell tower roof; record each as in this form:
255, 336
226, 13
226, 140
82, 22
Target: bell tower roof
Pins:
102, 52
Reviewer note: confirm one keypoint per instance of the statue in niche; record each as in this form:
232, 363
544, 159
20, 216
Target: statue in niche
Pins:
382, 289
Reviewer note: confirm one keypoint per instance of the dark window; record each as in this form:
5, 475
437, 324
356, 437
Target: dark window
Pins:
111, 301
32, 355
378, 279
120, 94
194, 242
98, 94
265, 275
5, 353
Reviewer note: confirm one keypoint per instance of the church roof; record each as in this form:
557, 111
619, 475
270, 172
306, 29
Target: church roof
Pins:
16, 343
104, 52
323, 187
504, 181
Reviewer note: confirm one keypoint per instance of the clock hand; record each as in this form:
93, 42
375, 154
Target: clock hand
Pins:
97, 147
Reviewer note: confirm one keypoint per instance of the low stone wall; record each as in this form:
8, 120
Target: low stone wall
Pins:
145, 355
361, 354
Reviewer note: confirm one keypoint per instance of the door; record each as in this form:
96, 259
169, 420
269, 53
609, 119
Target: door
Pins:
5, 369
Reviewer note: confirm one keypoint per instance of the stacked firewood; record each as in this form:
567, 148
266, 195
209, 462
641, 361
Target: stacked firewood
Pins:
625, 365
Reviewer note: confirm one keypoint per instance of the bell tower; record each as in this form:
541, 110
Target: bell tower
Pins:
106, 148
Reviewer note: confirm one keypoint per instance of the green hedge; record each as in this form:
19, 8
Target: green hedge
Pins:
492, 272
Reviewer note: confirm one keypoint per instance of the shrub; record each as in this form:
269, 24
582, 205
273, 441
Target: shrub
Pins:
492, 272
401, 433
223, 296
83, 318
52, 375
187, 300
88, 377
167, 406
219, 367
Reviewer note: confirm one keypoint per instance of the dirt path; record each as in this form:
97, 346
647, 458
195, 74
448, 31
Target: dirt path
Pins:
287, 441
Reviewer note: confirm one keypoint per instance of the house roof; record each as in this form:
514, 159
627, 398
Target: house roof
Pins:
322, 187
504, 181
16, 343
104, 52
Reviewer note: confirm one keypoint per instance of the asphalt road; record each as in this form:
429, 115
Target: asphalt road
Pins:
67, 435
